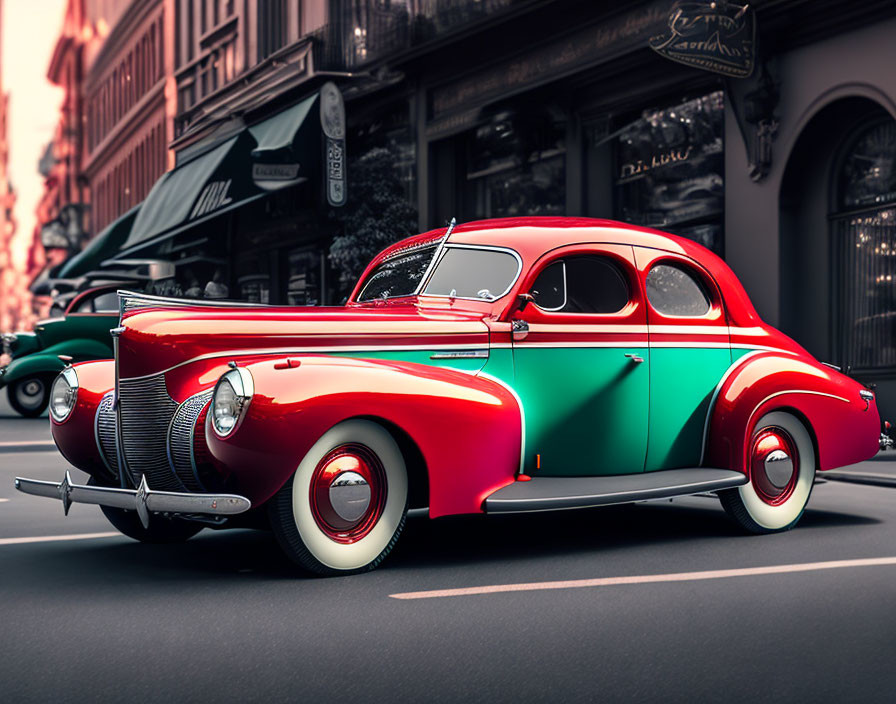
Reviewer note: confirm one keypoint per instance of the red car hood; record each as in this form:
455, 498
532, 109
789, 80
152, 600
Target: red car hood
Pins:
157, 339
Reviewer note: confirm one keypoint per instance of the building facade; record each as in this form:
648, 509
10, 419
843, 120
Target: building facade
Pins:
764, 131
13, 306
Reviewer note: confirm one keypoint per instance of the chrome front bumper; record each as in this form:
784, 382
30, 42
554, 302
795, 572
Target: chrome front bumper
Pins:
143, 500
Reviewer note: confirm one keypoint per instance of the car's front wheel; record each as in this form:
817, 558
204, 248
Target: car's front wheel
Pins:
30, 396
345, 506
782, 472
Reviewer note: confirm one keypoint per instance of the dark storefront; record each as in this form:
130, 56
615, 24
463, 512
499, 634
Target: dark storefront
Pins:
244, 218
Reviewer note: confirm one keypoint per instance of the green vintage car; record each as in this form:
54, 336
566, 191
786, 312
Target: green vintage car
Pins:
81, 333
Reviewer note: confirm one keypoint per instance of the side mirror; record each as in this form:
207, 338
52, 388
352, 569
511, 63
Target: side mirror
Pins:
524, 300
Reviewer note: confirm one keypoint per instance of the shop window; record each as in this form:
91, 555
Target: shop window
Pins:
669, 170
581, 285
516, 164
673, 291
865, 234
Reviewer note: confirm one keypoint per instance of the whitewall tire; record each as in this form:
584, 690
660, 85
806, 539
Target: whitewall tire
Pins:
345, 507
782, 464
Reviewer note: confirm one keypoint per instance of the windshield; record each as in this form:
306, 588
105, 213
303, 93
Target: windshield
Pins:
484, 274
399, 275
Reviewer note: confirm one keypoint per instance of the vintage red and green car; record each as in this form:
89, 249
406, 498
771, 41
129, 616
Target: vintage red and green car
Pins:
32, 359
512, 365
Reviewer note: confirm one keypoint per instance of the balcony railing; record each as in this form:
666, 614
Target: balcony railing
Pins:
375, 29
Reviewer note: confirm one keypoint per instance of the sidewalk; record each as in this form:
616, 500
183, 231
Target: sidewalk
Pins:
880, 470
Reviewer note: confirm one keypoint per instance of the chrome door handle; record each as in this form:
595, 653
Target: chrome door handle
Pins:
636, 358
519, 329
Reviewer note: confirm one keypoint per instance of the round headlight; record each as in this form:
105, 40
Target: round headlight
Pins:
64, 394
232, 395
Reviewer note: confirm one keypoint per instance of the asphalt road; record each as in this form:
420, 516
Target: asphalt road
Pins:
224, 618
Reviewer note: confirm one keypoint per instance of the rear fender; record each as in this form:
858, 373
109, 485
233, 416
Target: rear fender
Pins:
845, 427
467, 428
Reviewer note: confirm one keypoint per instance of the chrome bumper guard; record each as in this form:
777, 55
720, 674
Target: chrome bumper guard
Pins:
143, 500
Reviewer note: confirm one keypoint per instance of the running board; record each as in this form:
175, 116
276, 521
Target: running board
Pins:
556, 493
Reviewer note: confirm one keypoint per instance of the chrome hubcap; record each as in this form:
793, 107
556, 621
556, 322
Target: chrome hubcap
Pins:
778, 467
350, 496
348, 492
30, 393
774, 465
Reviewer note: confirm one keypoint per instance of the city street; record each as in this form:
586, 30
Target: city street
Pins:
91, 616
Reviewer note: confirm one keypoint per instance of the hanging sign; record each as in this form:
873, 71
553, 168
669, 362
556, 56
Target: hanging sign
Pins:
715, 36
332, 122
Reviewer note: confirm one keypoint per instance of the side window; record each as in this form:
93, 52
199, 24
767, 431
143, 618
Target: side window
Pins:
581, 285
673, 291
106, 302
84, 306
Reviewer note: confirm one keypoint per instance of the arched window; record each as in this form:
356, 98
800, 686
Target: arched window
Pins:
864, 227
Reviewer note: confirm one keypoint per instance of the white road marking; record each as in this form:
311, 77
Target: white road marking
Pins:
648, 579
3, 501
28, 443
54, 538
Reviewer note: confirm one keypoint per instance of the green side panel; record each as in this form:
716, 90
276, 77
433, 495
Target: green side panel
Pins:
682, 382
737, 353
585, 409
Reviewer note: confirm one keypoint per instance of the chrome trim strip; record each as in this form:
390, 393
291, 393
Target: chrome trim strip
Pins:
143, 500
461, 354
125, 297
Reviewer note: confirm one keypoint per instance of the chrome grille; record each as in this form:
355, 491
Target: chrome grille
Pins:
105, 433
180, 439
145, 411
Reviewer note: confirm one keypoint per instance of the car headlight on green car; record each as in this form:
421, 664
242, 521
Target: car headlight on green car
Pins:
64, 394
230, 399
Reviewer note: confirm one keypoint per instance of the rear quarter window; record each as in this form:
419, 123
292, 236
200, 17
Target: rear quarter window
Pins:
671, 290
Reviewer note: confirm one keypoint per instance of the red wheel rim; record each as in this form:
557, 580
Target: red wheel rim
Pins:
348, 492
774, 465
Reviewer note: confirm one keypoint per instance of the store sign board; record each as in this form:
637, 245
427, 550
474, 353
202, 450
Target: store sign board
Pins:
715, 36
332, 122
586, 46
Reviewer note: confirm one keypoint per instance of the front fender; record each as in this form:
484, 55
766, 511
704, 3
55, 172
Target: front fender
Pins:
25, 343
845, 428
47, 360
467, 428
76, 435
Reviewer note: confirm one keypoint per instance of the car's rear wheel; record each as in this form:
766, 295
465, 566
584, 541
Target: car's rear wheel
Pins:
30, 396
161, 530
345, 506
782, 472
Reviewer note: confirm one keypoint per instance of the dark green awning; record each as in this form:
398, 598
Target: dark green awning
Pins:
175, 198
277, 152
106, 244
287, 146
